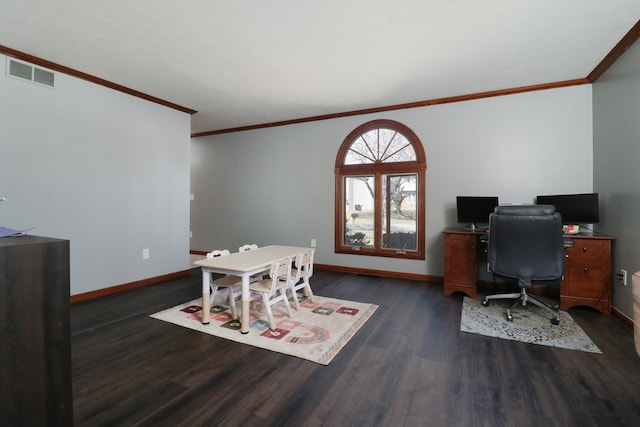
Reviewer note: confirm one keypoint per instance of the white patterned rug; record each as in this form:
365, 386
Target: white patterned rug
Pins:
530, 324
317, 332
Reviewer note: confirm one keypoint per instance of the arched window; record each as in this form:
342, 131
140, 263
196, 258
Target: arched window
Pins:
380, 192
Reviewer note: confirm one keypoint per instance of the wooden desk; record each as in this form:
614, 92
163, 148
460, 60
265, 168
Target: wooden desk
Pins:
587, 278
245, 265
461, 261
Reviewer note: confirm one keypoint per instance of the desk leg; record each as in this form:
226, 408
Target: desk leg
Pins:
244, 316
206, 294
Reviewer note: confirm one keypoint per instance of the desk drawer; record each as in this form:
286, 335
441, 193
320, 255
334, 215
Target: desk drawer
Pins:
587, 280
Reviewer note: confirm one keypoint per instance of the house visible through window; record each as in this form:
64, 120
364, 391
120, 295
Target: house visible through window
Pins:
380, 196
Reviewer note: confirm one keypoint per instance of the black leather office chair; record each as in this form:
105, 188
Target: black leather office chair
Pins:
526, 246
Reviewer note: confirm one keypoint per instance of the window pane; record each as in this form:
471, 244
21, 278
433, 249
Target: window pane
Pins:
361, 151
399, 149
399, 229
359, 210
380, 145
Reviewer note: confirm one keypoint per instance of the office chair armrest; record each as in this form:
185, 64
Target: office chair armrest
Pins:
568, 242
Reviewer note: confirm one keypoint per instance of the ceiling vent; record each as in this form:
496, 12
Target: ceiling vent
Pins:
26, 71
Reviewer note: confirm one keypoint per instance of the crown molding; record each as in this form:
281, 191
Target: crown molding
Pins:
88, 77
616, 52
408, 105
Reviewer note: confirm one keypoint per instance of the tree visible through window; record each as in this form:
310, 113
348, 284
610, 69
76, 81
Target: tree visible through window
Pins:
380, 179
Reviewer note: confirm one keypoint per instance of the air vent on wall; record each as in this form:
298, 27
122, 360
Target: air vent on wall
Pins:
26, 71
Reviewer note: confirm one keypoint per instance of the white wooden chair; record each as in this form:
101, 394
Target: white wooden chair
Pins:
274, 289
300, 275
250, 247
247, 247
233, 284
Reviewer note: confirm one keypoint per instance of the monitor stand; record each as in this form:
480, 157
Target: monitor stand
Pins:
473, 227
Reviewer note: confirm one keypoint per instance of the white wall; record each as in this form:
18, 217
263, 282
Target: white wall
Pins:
106, 170
276, 185
616, 104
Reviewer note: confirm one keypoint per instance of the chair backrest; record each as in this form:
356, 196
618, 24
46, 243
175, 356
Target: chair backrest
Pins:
306, 263
217, 252
280, 271
526, 244
296, 273
248, 247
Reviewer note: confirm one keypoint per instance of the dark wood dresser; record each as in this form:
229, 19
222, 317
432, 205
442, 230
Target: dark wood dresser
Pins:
35, 345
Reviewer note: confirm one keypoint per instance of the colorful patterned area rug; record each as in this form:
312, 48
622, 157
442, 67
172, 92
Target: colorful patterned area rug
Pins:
317, 332
531, 324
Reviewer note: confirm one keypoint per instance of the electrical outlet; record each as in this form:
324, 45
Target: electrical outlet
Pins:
145, 254
313, 243
623, 276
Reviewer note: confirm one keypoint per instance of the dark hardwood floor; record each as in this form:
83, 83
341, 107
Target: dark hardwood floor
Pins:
409, 365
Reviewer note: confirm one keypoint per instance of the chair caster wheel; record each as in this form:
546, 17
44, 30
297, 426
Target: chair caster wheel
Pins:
555, 321
509, 318
485, 302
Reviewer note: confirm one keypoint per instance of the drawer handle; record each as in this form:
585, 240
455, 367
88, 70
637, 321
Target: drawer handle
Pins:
584, 249
586, 269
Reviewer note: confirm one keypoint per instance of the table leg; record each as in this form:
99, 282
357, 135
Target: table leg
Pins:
244, 316
206, 294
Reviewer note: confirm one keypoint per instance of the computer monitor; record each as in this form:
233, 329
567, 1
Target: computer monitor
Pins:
474, 210
574, 208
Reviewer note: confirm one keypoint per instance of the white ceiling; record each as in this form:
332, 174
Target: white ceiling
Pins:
249, 62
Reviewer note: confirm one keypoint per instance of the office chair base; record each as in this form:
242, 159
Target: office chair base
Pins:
523, 297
